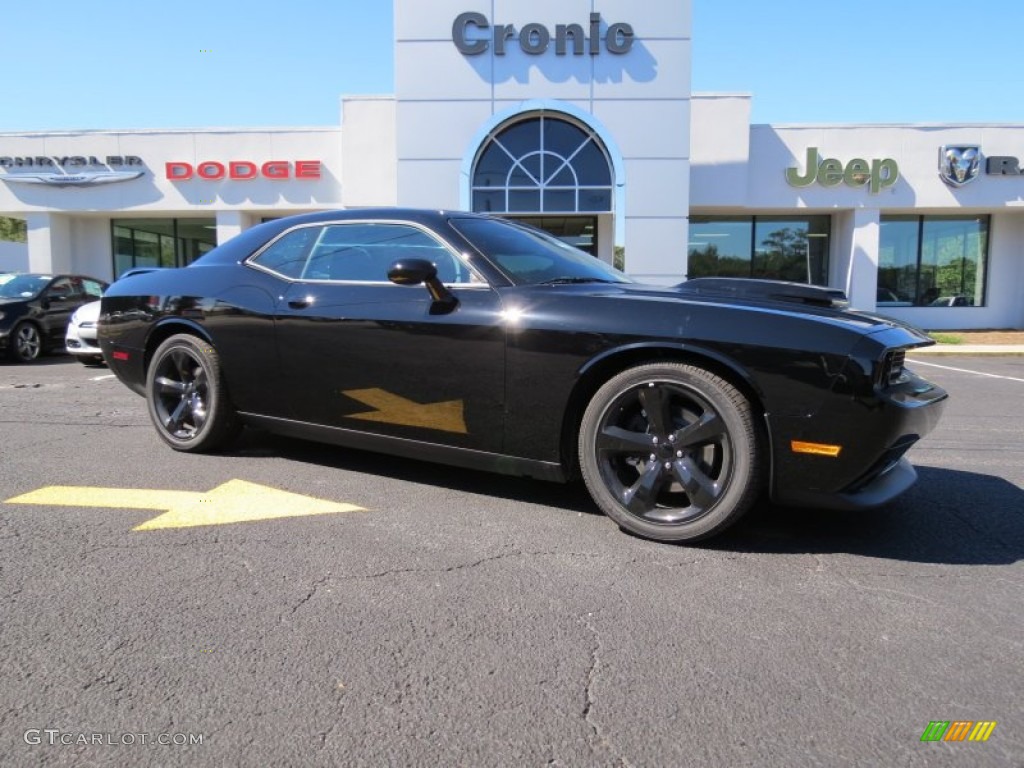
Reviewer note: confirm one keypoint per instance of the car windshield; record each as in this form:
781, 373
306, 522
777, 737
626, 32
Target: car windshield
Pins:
24, 286
530, 256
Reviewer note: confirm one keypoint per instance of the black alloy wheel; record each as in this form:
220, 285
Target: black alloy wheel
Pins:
187, 399
670, 452
26, 343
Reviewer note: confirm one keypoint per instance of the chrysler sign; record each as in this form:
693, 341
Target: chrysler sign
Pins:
473, 34
53, 171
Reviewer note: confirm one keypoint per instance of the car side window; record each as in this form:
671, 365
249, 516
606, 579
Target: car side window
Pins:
365, 251
93, 289
287, 255
62, 289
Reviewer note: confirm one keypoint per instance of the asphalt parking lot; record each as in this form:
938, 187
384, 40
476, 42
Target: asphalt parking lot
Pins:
437, 616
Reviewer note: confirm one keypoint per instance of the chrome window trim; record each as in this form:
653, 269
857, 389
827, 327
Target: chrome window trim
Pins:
250, 260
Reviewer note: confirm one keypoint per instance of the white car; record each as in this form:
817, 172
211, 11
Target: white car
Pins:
80, 338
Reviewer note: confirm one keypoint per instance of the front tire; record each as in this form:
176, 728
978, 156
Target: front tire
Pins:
188, 401
671, 452
26, 343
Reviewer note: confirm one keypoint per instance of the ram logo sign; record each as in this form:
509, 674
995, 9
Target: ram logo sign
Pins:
959, 165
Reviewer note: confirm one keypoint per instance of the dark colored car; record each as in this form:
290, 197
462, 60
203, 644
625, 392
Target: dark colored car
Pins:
35, 309
478, 342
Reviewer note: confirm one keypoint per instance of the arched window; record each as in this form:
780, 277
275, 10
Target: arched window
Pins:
542, 164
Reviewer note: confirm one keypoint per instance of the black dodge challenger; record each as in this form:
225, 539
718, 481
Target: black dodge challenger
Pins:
479, 342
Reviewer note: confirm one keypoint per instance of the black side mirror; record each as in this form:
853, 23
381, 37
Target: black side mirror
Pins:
421, 271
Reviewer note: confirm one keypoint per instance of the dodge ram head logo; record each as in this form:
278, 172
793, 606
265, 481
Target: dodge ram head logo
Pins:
959, 165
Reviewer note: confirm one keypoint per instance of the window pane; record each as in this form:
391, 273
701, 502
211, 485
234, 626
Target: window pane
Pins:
592, 166
791, 248
560, 201
521, 138
526, 173
287, 256
719, 247
934, 261
147, 249
897, 261
596, 200
562, 138
524, 200
953, 261
492, 167
365, 252
488, 202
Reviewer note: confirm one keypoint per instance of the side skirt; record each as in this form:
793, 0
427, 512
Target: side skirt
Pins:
410, 449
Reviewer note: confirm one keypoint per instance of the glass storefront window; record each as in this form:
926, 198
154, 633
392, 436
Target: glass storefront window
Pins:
793, 248
936, 261
161, 242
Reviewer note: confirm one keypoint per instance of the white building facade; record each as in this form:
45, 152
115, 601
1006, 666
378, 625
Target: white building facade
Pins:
576, 116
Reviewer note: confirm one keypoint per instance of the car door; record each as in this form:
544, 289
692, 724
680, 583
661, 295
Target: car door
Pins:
60, 299
361, 353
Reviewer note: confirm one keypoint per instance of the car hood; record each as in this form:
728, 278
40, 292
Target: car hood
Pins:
853, 320
88, 313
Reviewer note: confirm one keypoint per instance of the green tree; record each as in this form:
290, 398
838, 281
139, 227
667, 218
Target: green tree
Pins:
12, 230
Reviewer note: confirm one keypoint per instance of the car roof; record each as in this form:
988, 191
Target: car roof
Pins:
241, 246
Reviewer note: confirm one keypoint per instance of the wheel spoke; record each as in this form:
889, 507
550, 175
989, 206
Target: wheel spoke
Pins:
642, 496
199, 413
655, 400
702, 490
176, 419
619, 440
708, 429
170, 386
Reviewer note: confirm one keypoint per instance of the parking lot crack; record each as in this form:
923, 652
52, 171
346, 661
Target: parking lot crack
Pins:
597, 737
309, 595
510, 555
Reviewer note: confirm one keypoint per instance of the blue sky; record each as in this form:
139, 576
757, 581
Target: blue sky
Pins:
69, 64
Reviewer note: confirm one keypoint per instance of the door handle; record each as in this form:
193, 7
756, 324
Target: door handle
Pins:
304, 303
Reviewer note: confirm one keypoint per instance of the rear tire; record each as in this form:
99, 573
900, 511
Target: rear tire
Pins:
187, 398
671, 452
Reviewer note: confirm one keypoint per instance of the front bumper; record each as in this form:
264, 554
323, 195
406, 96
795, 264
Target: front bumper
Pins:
82, 341
873, 433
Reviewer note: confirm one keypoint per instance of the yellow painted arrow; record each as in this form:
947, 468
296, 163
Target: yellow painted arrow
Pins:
394, 409
236, 501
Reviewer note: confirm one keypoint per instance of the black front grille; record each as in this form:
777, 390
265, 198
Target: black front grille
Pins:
890, 368
896, 360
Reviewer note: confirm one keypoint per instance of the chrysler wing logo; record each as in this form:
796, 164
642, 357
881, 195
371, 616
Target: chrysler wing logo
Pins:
959, 165
85, 179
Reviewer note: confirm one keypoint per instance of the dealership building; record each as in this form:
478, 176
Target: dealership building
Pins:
576, 116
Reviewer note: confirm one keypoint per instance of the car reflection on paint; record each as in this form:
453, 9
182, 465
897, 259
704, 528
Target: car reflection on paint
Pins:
80, 336
478, 342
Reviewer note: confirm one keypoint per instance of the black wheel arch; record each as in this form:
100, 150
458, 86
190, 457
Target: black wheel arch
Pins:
610, 363
164, 329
